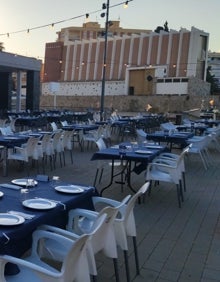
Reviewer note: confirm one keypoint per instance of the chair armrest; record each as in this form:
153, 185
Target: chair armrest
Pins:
43, 272
169, 156
60, 231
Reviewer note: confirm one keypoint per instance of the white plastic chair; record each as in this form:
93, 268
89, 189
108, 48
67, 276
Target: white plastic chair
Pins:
124, 224
58, 149
169, 126
198, 146
24, 153
141, 135
68, 142
46, 147
120, 165
54, 126
82, 221
175, 158
74, 266
165, 170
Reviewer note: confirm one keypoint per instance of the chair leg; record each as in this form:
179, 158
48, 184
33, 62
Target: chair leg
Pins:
126, 265
178, 195
136, 255
96, 175
94, 278
184, 181
115, 262
100, 177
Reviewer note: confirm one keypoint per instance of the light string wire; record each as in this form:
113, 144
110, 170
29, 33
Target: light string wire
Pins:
61, 21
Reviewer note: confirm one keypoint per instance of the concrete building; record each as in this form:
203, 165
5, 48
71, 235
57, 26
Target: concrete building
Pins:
13, 69
214, 63
144, 63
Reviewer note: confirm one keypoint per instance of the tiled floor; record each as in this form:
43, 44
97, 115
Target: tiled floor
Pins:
174, 244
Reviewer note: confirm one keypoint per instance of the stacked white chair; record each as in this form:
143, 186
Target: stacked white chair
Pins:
58, 148
165, 170
175, 158
67, 140
199, 146
46, 147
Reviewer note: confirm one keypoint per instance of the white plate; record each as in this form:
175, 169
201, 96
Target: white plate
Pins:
39, 204
23, 182
143, 152
115, 147
1, 194
10, 219
74, 189
154, 147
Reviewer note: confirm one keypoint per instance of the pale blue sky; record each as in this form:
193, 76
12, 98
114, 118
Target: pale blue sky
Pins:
19, 15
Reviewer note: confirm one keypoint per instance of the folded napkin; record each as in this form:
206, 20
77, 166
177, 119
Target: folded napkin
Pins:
10, 186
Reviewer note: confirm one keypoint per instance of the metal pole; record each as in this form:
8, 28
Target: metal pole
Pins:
104, 62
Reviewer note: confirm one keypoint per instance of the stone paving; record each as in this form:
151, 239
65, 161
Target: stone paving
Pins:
175, 244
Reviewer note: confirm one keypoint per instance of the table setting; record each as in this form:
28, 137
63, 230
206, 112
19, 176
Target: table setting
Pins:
29, 202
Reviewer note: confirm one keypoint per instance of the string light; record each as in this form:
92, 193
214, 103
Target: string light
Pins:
126, 4
62, 21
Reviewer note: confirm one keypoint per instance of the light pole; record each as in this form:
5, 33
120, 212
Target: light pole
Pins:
104, 6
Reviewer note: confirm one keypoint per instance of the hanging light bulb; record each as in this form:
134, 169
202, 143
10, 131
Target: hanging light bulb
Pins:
87, 18
126, 4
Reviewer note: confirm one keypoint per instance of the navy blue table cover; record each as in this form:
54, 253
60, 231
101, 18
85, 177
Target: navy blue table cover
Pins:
21, 235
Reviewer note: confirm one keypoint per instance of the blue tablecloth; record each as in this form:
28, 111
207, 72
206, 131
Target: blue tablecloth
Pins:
174, 138
78, 126
130, 154
21, 235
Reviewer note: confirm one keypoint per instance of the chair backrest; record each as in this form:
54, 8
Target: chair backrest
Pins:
68, 139
57, 142
101, 144
54, 126
141, 135
6, 130
168, 126
90, 261
30, 148
75, 265
64, 123
128, 217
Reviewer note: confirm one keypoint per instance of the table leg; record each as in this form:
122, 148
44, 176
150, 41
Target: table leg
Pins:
5, 161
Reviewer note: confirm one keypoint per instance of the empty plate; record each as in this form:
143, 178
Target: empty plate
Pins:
10, 219
143, 152
24, 182
39, 204
73, 189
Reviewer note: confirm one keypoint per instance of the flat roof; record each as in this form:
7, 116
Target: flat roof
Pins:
12, 62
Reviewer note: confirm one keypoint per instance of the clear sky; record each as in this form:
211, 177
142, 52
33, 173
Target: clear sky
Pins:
20, 15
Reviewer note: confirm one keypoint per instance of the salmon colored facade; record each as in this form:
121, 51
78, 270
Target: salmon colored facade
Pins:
181, 53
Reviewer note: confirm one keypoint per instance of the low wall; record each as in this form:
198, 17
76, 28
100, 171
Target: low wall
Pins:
159, 103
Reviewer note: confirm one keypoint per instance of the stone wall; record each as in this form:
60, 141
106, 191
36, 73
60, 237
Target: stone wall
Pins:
74, 96
159, 103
